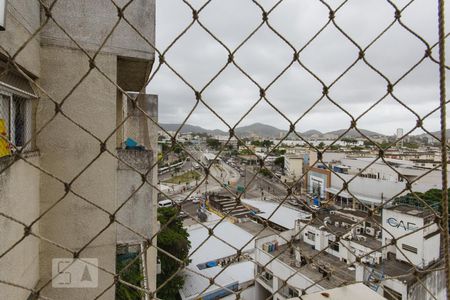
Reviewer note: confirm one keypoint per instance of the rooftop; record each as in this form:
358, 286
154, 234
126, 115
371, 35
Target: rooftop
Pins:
283, 216
213, 248
339, 271
411, 210
353, 291
195, 284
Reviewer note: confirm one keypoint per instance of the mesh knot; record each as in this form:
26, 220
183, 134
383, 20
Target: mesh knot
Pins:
27, 231
120, 12
331, 15
194, 14
66, 187
102, 147
230, 58
319, 155
419, 123
390, 88
264, 16
291, 128
48, 12
262, 93
91, 64
57, 108
198, 95
162, 59
231, 132
361, 54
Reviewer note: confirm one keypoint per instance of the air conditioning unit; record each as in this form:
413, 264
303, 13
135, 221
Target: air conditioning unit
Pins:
336, 223
378, 234
370, 231
361, 238
359, 230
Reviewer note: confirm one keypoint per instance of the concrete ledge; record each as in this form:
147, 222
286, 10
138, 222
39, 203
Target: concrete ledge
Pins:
141, 160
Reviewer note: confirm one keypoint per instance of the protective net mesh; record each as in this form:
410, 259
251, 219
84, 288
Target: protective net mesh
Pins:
273, 248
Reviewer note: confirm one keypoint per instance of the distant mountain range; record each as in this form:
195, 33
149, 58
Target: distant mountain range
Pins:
267, 131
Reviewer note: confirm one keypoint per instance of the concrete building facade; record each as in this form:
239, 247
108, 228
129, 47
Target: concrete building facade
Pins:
54, 75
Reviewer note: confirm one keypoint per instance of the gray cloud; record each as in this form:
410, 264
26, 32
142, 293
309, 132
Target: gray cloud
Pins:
198, 57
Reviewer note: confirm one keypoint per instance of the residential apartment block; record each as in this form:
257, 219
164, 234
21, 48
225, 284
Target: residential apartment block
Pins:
64, 169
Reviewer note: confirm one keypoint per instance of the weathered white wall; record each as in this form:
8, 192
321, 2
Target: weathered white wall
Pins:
22, 20
19, 198
65, 151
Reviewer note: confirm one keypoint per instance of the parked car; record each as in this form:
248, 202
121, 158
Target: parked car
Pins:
196, 200
183, 215
315, 207
293, 202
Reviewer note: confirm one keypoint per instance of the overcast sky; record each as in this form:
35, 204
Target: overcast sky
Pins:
198, 57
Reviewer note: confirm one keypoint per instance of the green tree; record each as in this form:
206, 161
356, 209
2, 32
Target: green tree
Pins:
245, 152
431, 197
266, 144
173, 238
131, 274
213, 143
321, 145
279, 161
265, 172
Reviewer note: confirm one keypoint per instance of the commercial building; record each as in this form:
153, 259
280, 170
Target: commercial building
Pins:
344, 245
59, 107
371, 181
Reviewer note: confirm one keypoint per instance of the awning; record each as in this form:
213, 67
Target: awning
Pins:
345, 194
14, 81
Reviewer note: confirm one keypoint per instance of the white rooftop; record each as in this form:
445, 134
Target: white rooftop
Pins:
209, 156
284, 216
195, 284
214, 248
353, 291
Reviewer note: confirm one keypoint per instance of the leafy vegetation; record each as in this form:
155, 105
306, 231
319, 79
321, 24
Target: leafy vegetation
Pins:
213, 143
265, 172
184, 178
431, 197
173, 239
279, 161
131, 274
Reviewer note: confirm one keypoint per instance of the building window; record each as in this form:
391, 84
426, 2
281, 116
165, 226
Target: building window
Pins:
15, 122
310, 236
287, 291
265, 276
409, 248
333, 245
